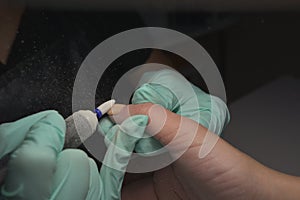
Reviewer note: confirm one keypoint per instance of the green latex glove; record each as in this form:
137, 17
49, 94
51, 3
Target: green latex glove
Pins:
34, 143
77, 176
39, 169
171, 90
120, 140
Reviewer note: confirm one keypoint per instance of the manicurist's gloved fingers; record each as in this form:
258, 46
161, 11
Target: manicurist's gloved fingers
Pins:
12, 134
32, 164
121, 140
76, 177
171, 90
108, 129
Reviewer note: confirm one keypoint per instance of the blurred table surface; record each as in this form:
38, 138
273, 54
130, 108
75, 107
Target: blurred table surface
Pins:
265, 124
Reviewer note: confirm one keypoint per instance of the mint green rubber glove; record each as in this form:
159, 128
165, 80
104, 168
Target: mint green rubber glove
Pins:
39, 169
121, 141
77, 176
34, 143
171, 90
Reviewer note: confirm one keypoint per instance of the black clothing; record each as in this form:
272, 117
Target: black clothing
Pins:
47, 53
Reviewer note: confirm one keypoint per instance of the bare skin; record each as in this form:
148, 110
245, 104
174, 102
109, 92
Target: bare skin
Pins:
10, 16
225, 173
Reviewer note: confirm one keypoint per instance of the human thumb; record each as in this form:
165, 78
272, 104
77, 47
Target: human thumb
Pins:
175, 132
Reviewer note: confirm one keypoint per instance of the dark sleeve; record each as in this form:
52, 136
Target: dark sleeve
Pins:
55, 44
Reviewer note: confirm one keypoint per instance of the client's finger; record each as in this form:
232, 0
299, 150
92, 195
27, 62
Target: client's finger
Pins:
164, 125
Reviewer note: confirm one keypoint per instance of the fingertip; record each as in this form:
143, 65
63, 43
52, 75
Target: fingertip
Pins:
141, 108
135, 125
139, 120
105, 124
115, 109
56, 120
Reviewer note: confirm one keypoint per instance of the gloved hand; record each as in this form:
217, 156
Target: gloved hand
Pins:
39, 169
121, 141
34, 143
171, 90
77, 176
